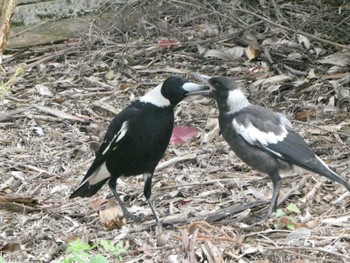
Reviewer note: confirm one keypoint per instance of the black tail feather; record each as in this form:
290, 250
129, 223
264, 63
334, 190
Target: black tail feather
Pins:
87, 190
319, 167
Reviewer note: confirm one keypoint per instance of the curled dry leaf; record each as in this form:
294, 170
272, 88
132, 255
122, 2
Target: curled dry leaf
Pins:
112, 218
252, 51
96, 203
207, 30
298, 234
226, 54
338, 59
43, 90
304, 41
166, 43
272, 80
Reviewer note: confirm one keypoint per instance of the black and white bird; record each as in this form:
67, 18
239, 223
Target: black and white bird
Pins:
261, 138
136, 140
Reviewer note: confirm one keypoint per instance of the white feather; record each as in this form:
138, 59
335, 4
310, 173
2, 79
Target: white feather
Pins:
121, 133
100, 174
325, 165
252, 134
236, 101
155, 97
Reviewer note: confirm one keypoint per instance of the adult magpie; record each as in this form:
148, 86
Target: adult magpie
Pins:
261, 138
136, 140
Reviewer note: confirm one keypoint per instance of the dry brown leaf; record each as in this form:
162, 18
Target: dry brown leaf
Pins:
252, 51
304, 115
225, 54
272, 80
112, 218
11, 246
96, 203
339, 59
207, 30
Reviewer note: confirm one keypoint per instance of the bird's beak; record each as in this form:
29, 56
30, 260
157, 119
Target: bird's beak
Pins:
193, 88
205, 79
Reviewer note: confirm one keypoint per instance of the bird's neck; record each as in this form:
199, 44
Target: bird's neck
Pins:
155, 97
234, 102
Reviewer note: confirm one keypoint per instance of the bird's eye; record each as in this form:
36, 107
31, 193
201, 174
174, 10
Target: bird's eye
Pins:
216, 84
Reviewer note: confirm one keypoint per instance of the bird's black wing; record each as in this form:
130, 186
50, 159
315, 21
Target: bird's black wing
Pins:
116, 134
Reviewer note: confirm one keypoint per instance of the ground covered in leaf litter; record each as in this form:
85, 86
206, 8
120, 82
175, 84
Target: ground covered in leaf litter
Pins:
291, 58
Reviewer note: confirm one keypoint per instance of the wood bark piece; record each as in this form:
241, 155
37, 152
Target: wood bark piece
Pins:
18, 203
6, 10
211, 252
59, 114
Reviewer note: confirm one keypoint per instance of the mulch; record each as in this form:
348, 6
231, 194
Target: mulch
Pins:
291, 57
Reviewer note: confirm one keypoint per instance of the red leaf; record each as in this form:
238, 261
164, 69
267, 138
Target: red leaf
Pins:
182, 134
166, 43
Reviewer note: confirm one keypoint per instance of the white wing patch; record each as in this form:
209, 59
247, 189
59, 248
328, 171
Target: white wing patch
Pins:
100, 174
121, 133
253, 135
155, 97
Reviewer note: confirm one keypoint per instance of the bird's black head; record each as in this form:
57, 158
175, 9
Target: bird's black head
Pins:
227, 95
176, 88
220, 87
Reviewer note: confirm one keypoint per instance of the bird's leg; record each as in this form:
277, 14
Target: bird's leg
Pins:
127, 215
276, 181
147, 191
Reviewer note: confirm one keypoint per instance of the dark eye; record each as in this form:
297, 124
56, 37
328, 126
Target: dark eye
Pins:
216, 84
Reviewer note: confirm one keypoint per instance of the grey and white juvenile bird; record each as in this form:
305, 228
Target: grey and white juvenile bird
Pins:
261, 138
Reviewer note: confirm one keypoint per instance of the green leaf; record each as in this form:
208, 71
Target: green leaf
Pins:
107, 245
78, 246
291, 226
280, 213
98, 259
2, 260
293, 208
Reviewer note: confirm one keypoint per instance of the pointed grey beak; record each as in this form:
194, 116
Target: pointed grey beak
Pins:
203, 78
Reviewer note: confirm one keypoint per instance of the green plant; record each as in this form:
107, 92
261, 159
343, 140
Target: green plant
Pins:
2, 260
5, 86
284, 218
81, 252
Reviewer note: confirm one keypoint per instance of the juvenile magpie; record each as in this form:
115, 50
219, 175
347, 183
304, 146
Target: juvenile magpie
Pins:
136, 140
261, 138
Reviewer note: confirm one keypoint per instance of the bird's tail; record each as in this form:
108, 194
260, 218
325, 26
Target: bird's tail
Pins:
87, 190
92, 182
319, 166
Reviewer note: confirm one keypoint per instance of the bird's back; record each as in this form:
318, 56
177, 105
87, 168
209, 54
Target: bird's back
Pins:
145, 142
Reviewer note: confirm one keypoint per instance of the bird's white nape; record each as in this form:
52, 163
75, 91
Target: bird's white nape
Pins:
155, 97
236, 101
